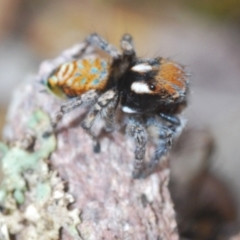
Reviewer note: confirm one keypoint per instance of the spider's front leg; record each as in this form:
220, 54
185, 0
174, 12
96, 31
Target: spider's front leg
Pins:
163, 134
137, 131
164, 143
107, 103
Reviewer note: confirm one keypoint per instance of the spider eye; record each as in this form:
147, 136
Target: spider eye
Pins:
152, 87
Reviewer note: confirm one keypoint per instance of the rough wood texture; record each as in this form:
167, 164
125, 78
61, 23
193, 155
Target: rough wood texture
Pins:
112, 204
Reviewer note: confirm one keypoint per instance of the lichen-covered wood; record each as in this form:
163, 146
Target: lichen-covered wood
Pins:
32, 196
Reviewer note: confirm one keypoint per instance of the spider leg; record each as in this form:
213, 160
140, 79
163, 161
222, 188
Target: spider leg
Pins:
77, 54
164, 134
87, 98
103, 101
176, 124
98, 41
174, 120
108, 114
127, 45
137, 131
163, 145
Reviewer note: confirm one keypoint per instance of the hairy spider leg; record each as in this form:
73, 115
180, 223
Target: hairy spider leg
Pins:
102, 103
108, 113
126, 44
128, 55
81, 51
137, 131
88, 98
96, 40
165, 142
163, 136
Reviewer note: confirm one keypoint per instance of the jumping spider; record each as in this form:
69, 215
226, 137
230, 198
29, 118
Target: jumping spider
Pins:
151, 93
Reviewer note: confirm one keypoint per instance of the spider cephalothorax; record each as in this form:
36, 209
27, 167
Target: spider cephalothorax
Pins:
150, 92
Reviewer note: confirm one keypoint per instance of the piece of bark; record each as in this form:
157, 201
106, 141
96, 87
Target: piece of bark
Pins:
112, 204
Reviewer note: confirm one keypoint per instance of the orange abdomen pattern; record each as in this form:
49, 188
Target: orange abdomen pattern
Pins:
77, 77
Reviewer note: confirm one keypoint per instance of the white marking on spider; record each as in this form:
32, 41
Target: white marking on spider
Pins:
140, 87
69, 71
128, 110
61, 71
142, 67
65, 71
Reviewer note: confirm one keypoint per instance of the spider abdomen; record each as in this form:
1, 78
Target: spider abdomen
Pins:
77, 77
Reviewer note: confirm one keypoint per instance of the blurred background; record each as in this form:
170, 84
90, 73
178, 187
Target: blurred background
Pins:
203, 35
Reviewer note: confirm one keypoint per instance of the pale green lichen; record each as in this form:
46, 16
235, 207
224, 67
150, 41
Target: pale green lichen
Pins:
15, 160
33, 197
